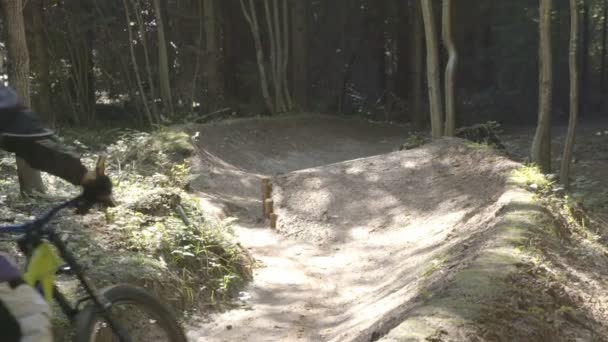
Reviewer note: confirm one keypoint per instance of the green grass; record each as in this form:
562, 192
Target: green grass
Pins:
531, 175
481, 146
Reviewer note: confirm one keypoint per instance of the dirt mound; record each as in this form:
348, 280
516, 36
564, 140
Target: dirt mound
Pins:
284, 144
425, 244
232, 156
392, 191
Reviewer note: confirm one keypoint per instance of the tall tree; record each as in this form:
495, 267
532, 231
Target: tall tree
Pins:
432, 65
277, 22
450, 70
541, 146
36, 21
143, 38
140, 85
213, 74
299, 50
573, 64
30, 180
275, 56
603, 53
585, 58
250, 13
417, 64
163, 60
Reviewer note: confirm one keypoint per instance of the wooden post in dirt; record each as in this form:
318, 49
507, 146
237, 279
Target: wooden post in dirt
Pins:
266, 194
268, 207
268, 202
273, 220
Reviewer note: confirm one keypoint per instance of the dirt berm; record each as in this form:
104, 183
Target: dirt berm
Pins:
428, 244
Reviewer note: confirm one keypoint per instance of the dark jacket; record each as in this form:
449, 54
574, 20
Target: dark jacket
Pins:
39, 152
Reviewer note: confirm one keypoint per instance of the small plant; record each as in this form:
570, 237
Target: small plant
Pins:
414, 140
485, 134
532, 177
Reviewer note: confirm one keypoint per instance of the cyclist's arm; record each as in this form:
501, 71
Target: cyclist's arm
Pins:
48, 156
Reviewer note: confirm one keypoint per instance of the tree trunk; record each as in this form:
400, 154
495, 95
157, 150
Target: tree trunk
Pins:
30, 180
274, 54
140, 86
541, 146
450, 71
299, 56
199, 47
41, 57
212, 70
432, 60
417, 66
252, 18
585, 61
569, 147
285, 56
146, 52
163, 61
603, 54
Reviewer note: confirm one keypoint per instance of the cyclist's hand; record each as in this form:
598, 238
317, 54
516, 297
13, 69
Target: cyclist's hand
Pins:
97, 187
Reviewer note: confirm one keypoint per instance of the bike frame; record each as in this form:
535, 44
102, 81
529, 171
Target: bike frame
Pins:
34, 233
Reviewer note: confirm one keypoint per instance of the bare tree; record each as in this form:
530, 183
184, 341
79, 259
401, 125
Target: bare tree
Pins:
417, 63
39, 47
603, 53
574, 89
541, 146
252, 18
212, 65
30, 180
299, 39
285, 53
143, 38
163, 60
140, 85
432, 65
275, 53
450, 70
277, 22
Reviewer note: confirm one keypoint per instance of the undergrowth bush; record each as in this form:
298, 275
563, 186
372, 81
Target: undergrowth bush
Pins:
158, 235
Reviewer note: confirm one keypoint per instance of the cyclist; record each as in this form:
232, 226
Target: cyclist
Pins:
24, 315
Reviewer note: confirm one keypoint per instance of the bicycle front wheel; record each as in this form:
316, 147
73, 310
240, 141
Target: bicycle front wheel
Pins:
140, 314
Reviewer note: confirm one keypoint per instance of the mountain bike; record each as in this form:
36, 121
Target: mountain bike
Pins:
114, 313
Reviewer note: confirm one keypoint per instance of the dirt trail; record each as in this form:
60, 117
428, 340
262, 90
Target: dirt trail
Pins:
359, 242
373, 244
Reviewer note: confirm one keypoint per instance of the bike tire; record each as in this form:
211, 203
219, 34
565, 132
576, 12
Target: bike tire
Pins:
89, 318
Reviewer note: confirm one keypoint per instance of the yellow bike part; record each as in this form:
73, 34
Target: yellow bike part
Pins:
42, 269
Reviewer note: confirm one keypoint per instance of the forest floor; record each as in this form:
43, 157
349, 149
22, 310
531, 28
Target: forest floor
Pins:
439, 243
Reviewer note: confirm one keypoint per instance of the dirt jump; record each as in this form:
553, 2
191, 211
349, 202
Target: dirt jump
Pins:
370, 243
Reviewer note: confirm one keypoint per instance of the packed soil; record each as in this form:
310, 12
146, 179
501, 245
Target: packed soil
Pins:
374, 243
234, 155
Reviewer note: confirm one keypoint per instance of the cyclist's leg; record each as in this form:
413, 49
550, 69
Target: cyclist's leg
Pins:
22, 305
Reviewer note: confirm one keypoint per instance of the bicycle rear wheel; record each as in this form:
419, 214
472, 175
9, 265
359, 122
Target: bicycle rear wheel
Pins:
138, 312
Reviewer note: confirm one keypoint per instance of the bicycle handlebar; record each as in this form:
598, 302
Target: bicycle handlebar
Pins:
42, 220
